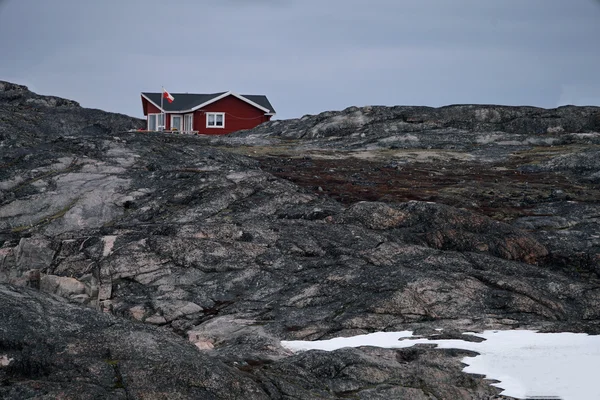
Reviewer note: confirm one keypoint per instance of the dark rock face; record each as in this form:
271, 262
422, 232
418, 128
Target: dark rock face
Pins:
209, 244
447, 228
56, 350
27, 118
436, 126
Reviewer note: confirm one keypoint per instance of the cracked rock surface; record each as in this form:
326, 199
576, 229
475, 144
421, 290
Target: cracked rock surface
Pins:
143, 265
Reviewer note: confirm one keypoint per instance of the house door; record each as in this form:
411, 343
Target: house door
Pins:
188, 122
176, 123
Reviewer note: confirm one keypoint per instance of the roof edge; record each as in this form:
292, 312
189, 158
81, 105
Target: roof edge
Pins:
153, 103
230, 93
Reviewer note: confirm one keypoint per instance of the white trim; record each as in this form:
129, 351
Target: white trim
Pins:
180, 129
191, 122
230, 93
215, 114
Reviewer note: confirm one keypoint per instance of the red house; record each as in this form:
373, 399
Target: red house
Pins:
211, 114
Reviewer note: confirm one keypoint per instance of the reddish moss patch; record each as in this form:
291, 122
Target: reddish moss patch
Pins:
498, 191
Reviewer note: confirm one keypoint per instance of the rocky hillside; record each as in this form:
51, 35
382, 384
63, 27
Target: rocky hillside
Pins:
451, 127
138, 265
27, 118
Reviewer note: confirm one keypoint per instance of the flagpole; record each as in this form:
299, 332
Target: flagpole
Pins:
162, 109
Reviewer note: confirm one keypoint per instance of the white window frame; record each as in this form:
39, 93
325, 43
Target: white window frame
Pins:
191, 126
157, 119
173, 116
222, 114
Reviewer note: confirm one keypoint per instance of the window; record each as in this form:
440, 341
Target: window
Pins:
155, 122
151, 122
188, 122
215, 120
176, 122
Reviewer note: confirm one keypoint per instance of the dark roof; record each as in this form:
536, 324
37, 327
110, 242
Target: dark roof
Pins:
183, 101
260, 100
187, 101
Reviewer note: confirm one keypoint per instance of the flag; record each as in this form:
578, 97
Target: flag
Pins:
168, 96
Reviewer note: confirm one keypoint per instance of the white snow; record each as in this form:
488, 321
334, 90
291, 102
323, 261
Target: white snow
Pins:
378, 339
526, 363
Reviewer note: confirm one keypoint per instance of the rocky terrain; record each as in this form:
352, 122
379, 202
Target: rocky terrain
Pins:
139, 265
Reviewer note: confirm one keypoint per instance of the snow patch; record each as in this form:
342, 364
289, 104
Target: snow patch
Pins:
378, 339
526, 363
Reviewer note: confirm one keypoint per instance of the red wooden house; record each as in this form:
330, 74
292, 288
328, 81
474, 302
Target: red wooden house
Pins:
212, 114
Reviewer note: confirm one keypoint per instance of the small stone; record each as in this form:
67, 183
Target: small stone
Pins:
5, 361
204, 345
137, 312
156, 320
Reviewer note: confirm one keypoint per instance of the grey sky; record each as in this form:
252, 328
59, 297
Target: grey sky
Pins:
307, 56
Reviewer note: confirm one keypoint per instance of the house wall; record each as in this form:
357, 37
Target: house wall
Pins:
238, 115
150, 108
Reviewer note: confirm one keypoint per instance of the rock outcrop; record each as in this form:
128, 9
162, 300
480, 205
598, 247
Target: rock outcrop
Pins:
28, 119
158, 258
56, 350
452, 127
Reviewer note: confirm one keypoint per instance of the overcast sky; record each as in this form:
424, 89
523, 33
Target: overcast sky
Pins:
307, 56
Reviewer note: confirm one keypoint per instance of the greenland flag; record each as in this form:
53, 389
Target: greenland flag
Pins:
168, 96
